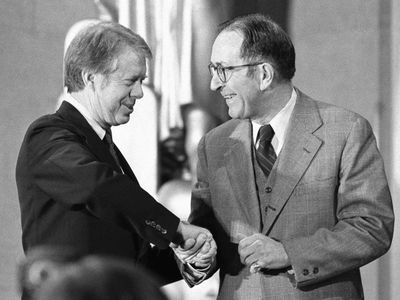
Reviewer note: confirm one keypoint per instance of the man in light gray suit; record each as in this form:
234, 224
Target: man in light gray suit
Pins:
299, 205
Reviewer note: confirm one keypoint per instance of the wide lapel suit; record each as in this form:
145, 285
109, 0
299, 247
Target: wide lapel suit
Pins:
318, 200
72, 193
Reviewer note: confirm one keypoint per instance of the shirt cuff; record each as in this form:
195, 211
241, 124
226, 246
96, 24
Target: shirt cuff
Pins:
192, 274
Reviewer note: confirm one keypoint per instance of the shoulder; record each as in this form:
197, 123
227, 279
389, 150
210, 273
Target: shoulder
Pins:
50, 128
224, 130
331, 114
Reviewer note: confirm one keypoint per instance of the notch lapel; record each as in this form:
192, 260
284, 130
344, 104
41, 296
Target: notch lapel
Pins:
300, 147
239, 166
125, 166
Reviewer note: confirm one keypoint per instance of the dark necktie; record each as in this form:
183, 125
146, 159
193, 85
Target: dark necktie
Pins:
109, 142
265, 153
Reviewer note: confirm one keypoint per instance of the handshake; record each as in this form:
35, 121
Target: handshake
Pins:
194, 245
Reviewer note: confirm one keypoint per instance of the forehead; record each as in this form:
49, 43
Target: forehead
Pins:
132, 62
226, 47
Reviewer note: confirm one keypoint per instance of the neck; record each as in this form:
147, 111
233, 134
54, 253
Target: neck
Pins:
275, 99
86, 100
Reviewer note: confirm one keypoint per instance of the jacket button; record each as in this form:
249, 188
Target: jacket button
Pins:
305, 272
266, 209
147, 222
315, 270
163, 231
268, 189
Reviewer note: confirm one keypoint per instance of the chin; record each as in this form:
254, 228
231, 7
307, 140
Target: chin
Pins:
235, 116
123, 120
235, 113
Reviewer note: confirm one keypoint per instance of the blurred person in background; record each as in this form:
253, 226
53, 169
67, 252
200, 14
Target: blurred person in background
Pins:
293, 189
40, 264
101, 278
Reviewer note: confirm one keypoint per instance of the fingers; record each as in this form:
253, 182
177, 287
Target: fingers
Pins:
260, 251
202, 258
248, 246
188, 244
247, 241
187, 231
197, 245
251, 251
199, 242
206, 255
207, 252
248, 254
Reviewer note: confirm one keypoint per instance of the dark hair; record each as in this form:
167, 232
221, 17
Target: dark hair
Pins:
96, 49
101, 278
263, 39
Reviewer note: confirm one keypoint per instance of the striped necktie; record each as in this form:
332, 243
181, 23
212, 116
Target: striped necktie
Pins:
265, 153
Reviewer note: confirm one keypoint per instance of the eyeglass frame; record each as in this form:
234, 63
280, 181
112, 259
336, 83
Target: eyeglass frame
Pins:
214, 68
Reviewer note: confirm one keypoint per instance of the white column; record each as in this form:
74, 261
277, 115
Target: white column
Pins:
124, 12
394, 175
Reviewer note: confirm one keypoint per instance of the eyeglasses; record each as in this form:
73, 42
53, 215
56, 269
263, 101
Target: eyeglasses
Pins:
222, 71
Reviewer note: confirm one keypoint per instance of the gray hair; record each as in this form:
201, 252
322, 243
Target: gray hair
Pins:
96, 49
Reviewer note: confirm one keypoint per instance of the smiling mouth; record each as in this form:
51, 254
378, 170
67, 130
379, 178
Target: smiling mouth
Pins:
130, 106
229, 96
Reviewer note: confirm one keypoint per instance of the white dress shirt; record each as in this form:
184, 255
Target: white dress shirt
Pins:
279, 124
86, 114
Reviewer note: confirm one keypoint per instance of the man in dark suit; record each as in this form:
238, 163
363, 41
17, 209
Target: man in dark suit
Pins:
75, 188
292, 189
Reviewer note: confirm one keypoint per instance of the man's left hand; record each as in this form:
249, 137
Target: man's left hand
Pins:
263, 252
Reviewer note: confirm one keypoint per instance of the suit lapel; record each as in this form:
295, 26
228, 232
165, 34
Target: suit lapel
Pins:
83, 129
301, 145
239, 166
124, 165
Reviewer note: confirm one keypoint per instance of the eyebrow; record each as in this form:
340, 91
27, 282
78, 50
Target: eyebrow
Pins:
219, 63
134, 78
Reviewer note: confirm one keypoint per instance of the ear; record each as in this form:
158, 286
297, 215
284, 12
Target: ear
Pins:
266, 75
88, 78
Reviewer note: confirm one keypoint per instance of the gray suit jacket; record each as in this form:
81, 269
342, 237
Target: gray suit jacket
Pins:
326, 199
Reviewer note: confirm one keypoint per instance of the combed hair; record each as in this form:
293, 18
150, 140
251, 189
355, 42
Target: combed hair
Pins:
96, 49
263, 39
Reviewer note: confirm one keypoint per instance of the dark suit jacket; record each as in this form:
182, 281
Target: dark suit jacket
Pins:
326, 199
72, 193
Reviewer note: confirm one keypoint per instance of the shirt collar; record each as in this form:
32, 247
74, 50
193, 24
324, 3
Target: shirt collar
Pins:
279, 124
86, 114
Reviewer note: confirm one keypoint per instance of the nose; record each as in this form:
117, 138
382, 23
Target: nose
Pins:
137, 90
215, 83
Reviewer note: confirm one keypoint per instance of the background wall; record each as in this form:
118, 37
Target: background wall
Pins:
339, 46
346, 54
31, 48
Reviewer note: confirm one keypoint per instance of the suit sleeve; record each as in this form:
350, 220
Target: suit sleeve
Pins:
364, 214
64, 168
201, 208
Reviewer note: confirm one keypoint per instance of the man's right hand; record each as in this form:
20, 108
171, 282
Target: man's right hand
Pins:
194, 244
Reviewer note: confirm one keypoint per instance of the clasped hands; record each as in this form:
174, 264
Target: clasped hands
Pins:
195, 245
261, 252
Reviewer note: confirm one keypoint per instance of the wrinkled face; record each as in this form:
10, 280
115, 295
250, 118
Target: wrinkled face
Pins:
115, 95
241, 92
